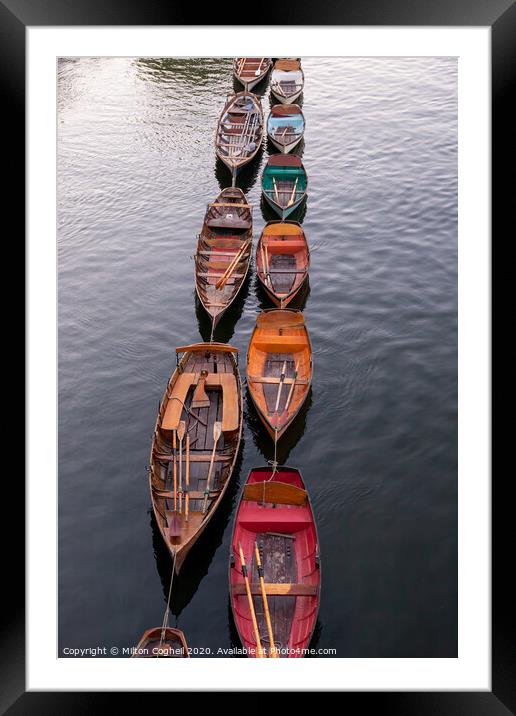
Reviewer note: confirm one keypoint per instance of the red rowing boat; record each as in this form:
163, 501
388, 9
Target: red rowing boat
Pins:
275, 515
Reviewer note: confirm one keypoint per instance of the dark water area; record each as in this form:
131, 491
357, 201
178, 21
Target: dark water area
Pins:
377, 440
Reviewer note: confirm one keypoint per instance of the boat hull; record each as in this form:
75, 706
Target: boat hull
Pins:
190, 530
275, 514
272, 408
285, 148
291, 99
284, 213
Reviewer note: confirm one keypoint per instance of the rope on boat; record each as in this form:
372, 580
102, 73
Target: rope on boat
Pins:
212, 329
167, 608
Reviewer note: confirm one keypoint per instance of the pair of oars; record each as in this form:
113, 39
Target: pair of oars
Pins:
232, 266
280, 387
265, 262
260, 652
180, 433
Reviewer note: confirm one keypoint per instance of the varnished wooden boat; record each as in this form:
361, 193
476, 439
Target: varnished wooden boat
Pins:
223, 252
284, 183
239, 131
275, 514
249, 71
282, 261
162, 643
285, 126
287, 80
279, 368
203, 398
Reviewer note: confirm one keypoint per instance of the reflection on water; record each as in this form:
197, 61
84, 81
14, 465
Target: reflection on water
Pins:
225, 329
298, 303
196, 567
263, 440
377, 441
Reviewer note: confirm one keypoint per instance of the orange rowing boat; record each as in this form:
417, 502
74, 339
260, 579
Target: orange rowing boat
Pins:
279, 368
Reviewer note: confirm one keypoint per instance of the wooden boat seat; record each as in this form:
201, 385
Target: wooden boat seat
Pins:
280, 344
282, 229
223, 223
285, 245
278, 589
280, 493
176, 401
275, 379
228, 385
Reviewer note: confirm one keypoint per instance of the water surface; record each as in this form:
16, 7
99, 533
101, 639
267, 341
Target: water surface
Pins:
377, 441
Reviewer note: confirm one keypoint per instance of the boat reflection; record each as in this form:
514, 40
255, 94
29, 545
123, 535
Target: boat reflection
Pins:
269, 214
246, 177
273, 100
298, 302
199, 559
260, 90
263, 440
164, 70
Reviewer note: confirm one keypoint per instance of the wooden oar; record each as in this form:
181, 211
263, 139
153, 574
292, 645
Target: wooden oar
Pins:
232, 266
291, 200
272, 651
187, 488
217, 429
292, 386
275, 189
259, 650
265, 262
180, 435
280, 385
174, 467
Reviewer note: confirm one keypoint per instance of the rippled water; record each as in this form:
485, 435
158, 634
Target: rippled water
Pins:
377, 443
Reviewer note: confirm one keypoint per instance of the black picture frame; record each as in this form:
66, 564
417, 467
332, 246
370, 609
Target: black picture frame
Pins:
500, 15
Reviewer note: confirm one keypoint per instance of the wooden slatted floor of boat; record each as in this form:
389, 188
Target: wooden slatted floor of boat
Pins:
201, 436
279, 566
273, 367
283, 282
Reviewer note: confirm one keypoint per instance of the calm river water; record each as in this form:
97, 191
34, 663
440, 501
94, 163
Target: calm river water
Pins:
377, 444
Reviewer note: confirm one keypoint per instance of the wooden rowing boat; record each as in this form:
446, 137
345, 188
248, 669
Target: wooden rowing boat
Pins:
284, 183
275, 513
282, 261
239, 131
223, 252
285, 126
162, 643
249, 71
287, 80
279, 368
188, 477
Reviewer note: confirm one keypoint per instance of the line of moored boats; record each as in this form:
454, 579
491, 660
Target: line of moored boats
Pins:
274, 571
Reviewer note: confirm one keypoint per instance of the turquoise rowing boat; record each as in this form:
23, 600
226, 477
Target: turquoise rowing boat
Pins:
284, 183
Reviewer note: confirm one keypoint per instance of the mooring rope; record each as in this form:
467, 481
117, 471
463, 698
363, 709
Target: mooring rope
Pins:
167, 608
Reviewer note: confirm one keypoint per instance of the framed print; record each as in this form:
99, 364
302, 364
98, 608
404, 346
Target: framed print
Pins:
260, 424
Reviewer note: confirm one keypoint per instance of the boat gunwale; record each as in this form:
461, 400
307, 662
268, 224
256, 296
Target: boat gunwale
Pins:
277, 434
291, 294
231, 99
268, 470
175, 553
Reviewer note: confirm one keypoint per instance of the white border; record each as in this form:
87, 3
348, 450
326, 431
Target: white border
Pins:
471, 670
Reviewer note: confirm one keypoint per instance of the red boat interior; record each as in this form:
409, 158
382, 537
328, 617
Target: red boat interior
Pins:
275, 513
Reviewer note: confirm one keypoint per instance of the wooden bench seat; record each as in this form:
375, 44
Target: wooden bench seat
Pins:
272, 343
275, 379
177, 397
278, 590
